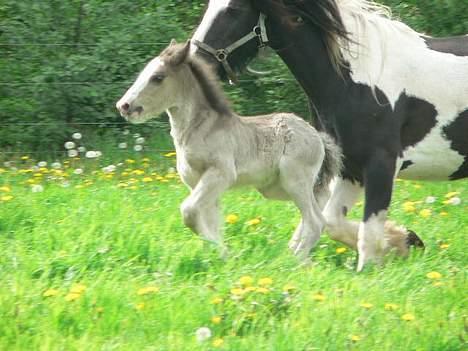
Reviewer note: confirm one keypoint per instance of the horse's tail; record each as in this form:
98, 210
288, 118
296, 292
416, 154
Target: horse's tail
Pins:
332, 162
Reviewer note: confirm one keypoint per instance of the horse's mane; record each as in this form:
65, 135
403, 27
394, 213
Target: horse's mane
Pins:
177, 54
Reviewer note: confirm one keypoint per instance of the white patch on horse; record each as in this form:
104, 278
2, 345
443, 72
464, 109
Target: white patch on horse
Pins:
391, 56
214, 8
371, 243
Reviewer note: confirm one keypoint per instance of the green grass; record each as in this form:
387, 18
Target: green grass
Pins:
116, 240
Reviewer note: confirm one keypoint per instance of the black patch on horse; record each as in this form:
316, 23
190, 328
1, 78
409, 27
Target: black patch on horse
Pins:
457, 133
405, 165
452, 45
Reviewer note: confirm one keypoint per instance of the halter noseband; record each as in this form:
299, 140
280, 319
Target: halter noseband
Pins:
259, 31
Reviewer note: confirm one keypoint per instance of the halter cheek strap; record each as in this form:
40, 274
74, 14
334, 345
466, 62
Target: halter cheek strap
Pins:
259, 31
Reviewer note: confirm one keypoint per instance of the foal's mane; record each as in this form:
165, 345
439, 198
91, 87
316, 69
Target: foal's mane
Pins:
178, 54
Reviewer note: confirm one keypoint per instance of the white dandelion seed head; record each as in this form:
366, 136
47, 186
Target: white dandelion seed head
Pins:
37, 188
65, 184
7, 164
56, 165
81, 149
171, 170
123, 145
69, 145
455, 201
203, 333
430, 199
77, 136
125, 132
78, 171
42, 164
136, 135
35, 168
109, 169
138, 148
98, 153
140, 140
72, 153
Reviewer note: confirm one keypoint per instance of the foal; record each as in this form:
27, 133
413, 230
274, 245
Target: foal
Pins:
281, 155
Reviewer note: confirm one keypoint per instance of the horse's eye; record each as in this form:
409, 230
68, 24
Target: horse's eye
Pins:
157, 78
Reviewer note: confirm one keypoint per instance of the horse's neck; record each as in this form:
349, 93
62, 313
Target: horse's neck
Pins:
307, 59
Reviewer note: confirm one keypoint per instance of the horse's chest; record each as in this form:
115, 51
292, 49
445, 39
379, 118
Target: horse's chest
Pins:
190, 168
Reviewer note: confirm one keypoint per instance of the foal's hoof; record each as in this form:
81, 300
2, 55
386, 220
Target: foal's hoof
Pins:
414, 240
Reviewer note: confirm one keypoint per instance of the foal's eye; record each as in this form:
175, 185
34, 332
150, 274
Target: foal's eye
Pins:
157, 78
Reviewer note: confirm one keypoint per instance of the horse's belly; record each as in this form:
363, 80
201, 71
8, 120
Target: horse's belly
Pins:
430, 159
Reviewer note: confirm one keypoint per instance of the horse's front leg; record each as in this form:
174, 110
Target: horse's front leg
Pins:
200, 210
378, 182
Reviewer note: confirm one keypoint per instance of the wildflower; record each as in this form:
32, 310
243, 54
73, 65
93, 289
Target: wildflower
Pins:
72, 153
42, 164
37, 188
246, 280
216, 300
253, 222
78, 171
265, 281
202, 334
24, 158
78, 288
50, 293
216, 319
81, 149
147, 179
136, 135
69, 145
451, 194
148, 290
407, 317
444, 246
367, 305
122, 145
72, 296
5, 189
354, 338
390, 307
99, 309
56, 165
218, 342
263, 290
425, 213
76, 136
417, 186
232, 218
430, 200
453, 201
109, 169
443, 214
318, 297
437, 284
138, 148
237, 291
409, 206
434, 275
125, 132
139, 306
6, 198
140, 140
92, 154
170, 154
341, 250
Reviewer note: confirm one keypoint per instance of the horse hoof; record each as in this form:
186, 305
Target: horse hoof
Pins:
414, 240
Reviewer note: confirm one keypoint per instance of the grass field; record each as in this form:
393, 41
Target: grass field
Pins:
102, 261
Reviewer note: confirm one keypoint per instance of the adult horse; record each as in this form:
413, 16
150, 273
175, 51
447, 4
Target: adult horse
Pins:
395, 100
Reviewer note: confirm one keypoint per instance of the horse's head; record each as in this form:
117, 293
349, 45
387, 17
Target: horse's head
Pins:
155, 89
221, 34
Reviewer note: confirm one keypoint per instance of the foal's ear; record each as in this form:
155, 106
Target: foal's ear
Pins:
182, 55
173, 42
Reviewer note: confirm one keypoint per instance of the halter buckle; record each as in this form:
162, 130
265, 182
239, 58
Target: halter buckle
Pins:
221, 55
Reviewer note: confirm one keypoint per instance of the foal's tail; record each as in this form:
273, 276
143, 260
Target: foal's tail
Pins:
332, 163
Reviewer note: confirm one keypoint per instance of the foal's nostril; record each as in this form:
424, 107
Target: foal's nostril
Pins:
125, 106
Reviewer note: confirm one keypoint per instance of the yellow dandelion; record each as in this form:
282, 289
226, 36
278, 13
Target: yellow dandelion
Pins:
409, 206
318, 297
77, 288
130, 161
390, 307
341, 250
237, 291
5, 189
217, 300
408, 317
139, 306
253, 221
232, 218
263, 290
425, 213
2, 170
99, 309
216, 319
367, 305
147, 179
438, 284
218, 342
25, 158
72, 296
443, 214
434, 275
6, 198
170, 154
146, 159
444, 246
354, 338
50, 293
246, 280
417, 186
265, 281
251, 289
148, 290
451, 194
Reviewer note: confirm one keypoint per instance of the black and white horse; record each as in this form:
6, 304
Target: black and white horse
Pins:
395, 100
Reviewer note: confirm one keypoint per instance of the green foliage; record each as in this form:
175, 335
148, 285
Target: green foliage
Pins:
103, 44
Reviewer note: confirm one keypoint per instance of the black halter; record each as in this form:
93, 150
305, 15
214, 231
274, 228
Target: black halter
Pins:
259, 31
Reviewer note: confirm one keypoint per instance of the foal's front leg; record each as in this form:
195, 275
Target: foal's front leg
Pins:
200, 210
